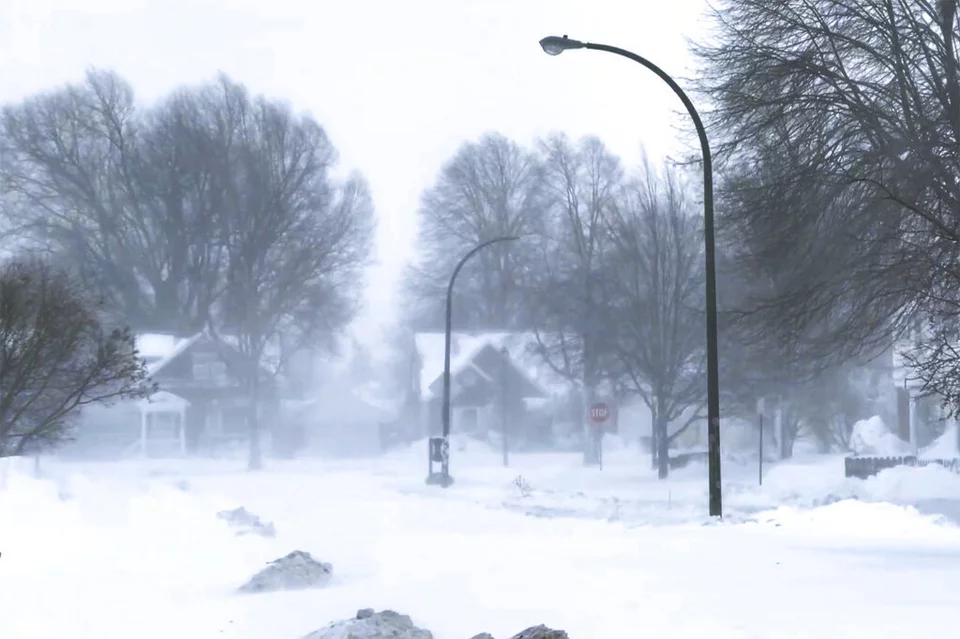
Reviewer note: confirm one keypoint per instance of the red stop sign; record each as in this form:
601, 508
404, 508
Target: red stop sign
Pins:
599, 413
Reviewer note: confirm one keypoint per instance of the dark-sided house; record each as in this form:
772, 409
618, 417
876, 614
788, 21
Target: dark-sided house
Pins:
201, 405
494, 381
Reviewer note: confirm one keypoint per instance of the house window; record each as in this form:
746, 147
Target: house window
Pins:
207, 368
218, 371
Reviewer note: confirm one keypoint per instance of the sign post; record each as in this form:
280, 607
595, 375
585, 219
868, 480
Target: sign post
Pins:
761, 409
599, 414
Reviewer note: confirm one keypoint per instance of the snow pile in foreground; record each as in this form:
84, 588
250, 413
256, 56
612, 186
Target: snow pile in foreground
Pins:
130, 543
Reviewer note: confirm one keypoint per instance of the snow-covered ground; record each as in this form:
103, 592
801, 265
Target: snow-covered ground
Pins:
134, 549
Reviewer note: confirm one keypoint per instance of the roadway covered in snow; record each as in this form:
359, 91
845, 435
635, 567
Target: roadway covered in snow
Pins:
135, 549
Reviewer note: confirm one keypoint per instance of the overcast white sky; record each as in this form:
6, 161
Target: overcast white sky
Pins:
398, 84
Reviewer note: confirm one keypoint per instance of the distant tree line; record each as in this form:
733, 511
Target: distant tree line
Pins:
212, 209
836, 128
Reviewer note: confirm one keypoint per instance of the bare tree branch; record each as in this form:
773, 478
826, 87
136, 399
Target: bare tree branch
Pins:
491, 187
56, 356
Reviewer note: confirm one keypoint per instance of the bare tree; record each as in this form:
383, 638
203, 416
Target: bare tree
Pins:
56, 356
838, 124
582, 181
657, 303
295, 240
174, 202
491, 187
121, 195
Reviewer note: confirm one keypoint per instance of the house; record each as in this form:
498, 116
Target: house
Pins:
201, 404
918, 418
494, 379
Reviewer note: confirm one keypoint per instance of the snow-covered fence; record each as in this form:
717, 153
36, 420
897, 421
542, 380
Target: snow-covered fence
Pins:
863, 467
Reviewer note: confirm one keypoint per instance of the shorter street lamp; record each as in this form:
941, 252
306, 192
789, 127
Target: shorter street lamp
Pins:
554, 45
439, 450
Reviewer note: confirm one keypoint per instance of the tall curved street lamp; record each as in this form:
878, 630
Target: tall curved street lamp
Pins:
440, 446
555, 45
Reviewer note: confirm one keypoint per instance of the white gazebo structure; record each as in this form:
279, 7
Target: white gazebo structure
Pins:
163, 421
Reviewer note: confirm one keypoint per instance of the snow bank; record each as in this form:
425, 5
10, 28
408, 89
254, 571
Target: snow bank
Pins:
132, 542
943, 447
905, 484
15, 466
871, 437
861, 520
807, 483
822, 482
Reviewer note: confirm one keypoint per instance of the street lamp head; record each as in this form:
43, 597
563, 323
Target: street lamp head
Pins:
555, 45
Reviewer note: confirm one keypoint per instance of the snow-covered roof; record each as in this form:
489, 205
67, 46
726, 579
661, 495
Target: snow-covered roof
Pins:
152, 346
159, 349
465, 346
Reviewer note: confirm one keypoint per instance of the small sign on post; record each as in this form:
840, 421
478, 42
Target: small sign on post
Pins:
436, 450
599, 413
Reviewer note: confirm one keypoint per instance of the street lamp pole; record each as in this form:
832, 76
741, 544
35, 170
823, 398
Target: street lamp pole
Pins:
554, 45
440, 446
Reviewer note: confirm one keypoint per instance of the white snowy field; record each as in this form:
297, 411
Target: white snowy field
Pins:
134, 549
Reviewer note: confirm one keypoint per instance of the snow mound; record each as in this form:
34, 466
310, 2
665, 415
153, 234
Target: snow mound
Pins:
541, 632
292, 572
911, 484
372, 625
859, 519
870, 437
246, 523
14, 468
943, 447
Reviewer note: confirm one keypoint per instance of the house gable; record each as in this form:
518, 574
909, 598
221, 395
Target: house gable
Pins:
427, 360
199, 359
485, 368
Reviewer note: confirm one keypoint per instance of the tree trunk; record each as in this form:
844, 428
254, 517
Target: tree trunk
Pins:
255, 460
778, 432
504, 418
590, 457
956, 425
654, 438
663, 447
